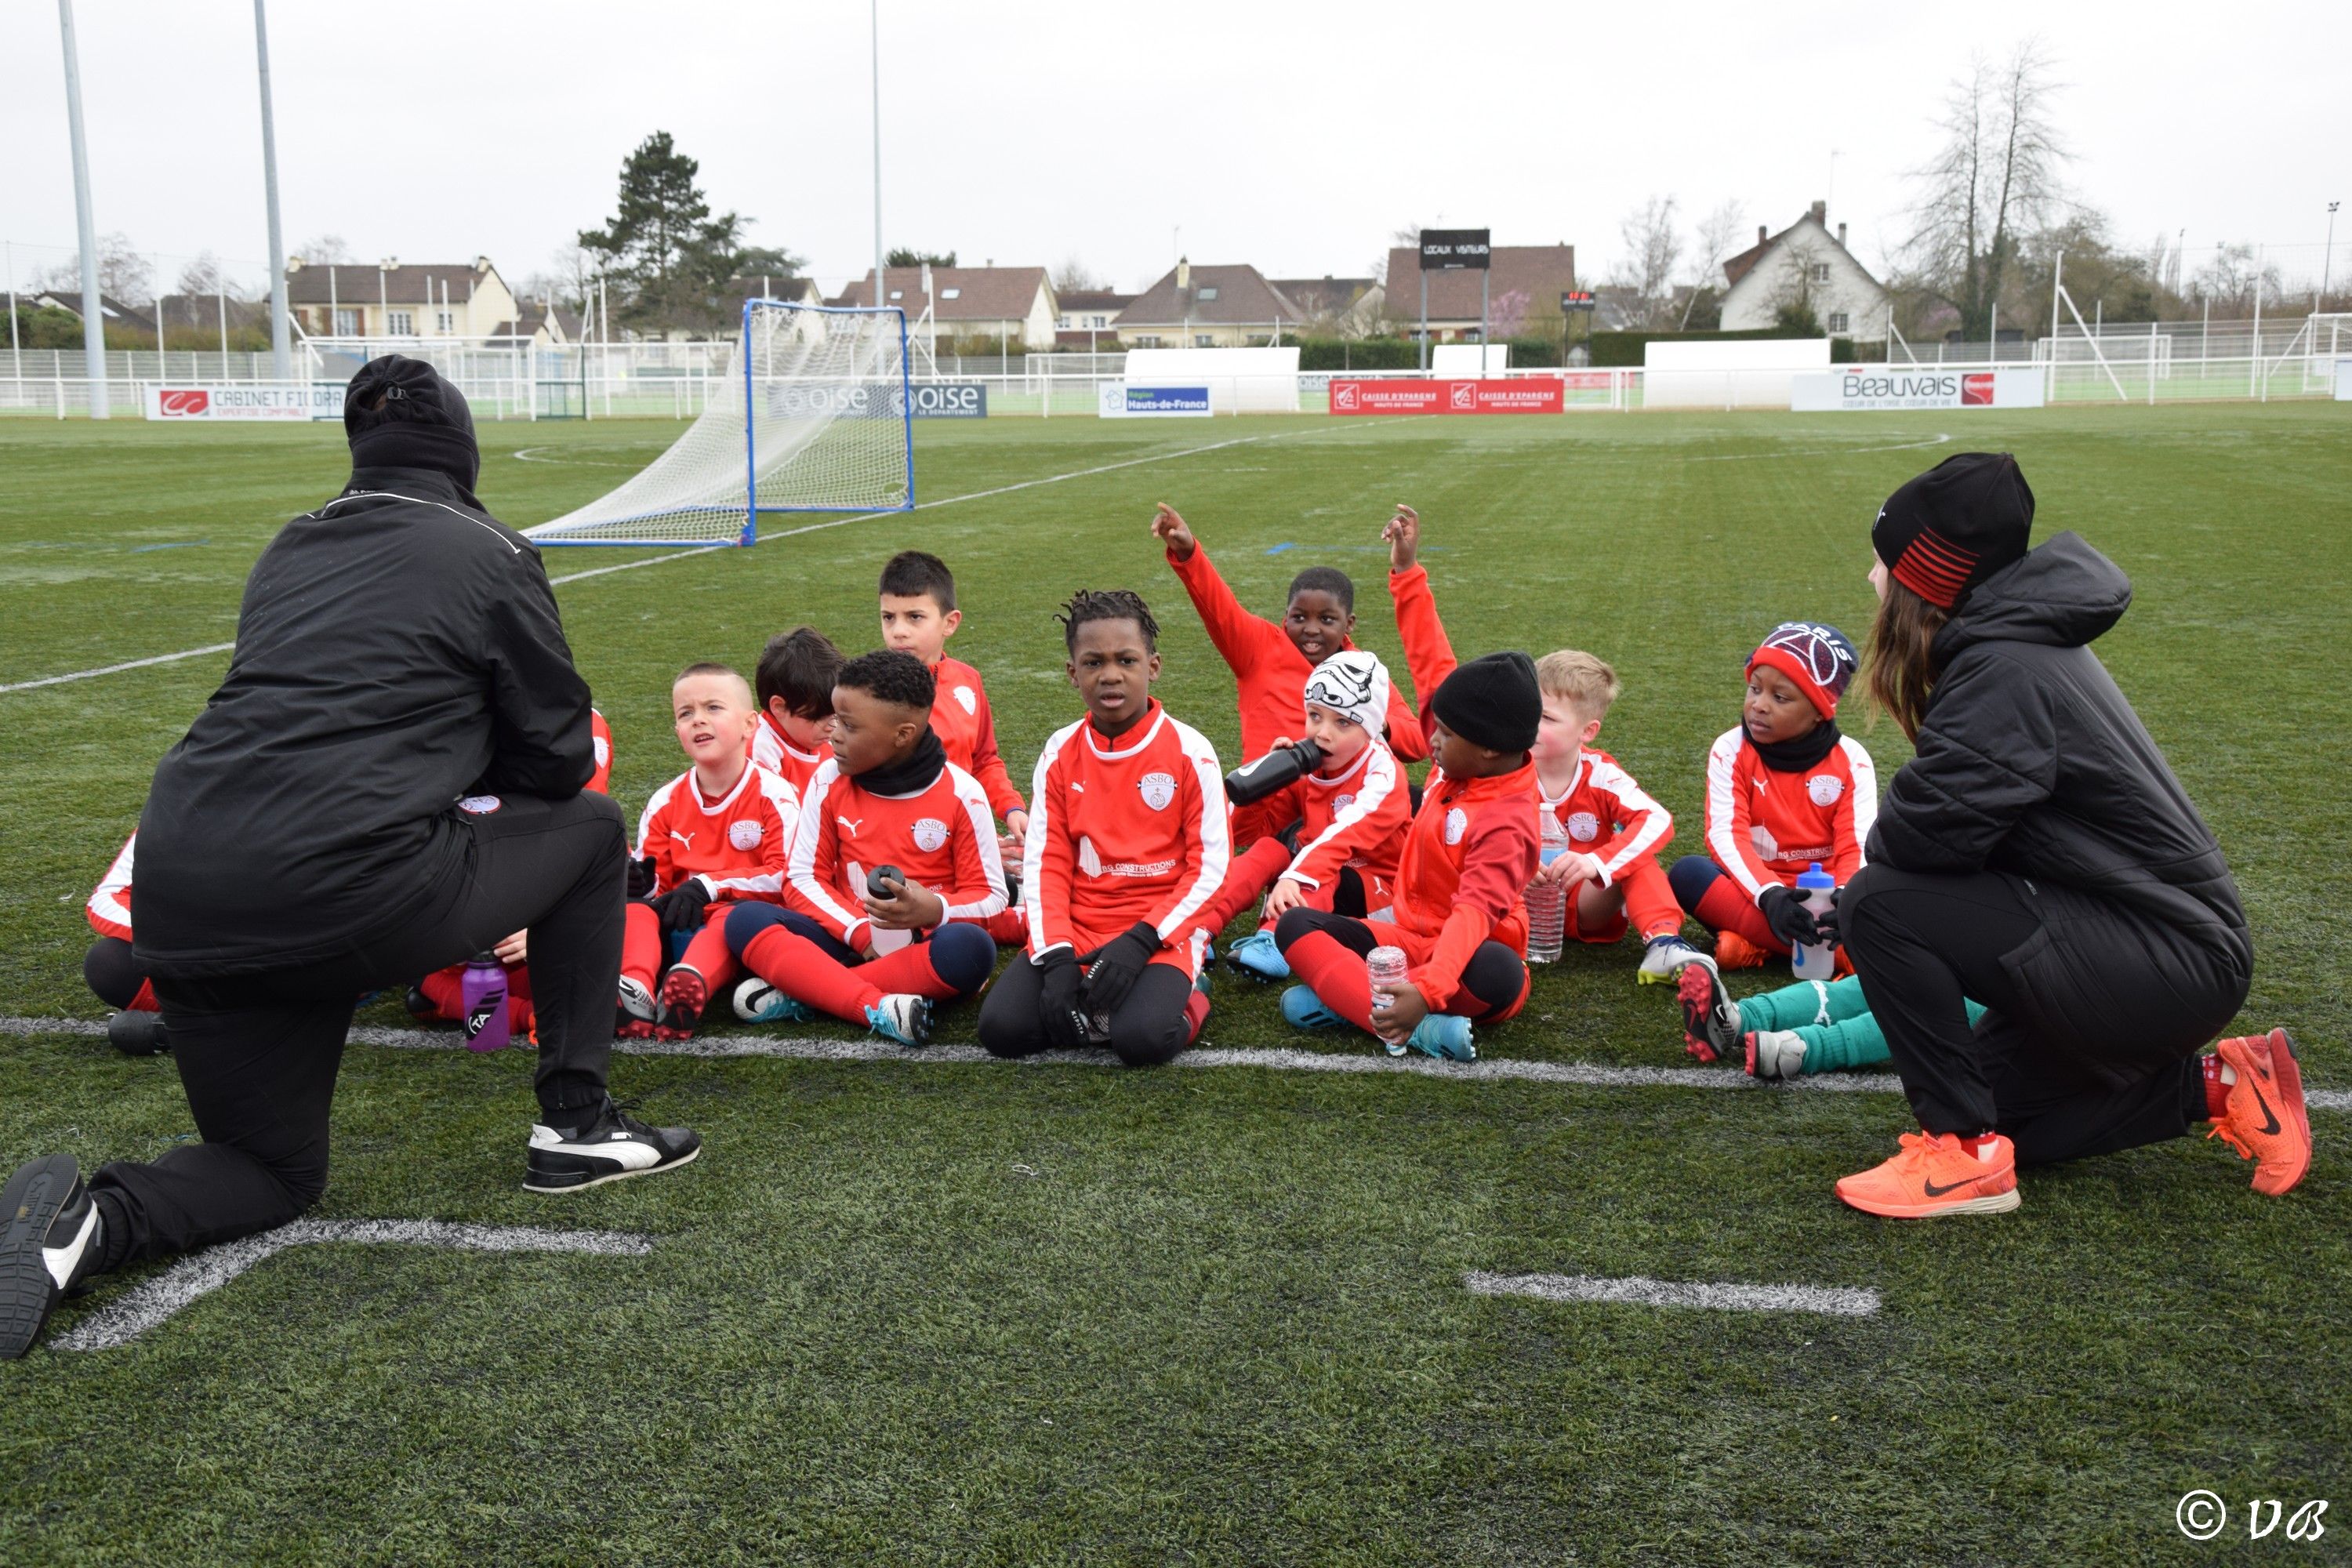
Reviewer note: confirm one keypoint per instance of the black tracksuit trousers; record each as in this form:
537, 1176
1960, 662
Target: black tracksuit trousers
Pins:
257, 1053
2095, 1015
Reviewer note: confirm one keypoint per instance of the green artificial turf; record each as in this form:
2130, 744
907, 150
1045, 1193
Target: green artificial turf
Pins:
921, 1311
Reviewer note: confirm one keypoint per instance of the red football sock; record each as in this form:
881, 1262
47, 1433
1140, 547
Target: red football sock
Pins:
1726, 906
143, 1000
641, 944
1650, 906
1335, 974
708, 955
2217, 1093
806, 972
1975, 1145
909, 972
1196, 1015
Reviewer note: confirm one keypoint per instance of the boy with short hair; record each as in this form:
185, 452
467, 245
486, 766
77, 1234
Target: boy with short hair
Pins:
719, 833
918, 615
894, 872
1784, 789
794, 682
1354, 812
1127, 845
1271, 660
1459, 912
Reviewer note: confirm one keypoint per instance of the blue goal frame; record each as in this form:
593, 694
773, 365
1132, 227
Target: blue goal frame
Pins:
752, 507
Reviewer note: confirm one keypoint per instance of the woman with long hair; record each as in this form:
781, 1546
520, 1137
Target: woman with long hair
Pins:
2039, 857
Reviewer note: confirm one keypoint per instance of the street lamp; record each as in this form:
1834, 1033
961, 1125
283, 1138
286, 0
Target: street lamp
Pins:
2327, 254
384, 294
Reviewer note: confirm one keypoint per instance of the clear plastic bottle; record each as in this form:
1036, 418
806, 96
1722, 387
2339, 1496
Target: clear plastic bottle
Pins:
1817, 890
1548, 902
483, 992
1387, 966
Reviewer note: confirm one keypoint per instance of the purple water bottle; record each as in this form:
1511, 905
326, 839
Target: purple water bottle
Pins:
483, 993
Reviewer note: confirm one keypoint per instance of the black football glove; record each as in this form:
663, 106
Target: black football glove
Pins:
641, 875
681, 907
1790, 919
1118, 966
1058, 979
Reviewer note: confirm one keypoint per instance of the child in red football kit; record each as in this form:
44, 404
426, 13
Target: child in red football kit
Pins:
918, 615
1784, 789
1271, 660
1125, 846
1611, 827
718, 833
794, 685
1353, 810
878, 951
1458, 912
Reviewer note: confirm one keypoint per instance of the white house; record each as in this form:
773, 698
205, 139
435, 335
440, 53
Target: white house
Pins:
1803, 263
1010, 305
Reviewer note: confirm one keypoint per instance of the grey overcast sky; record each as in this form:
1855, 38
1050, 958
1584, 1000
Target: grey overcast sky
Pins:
1293, 136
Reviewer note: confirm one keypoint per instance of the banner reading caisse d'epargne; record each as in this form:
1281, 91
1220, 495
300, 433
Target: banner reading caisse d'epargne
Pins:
1529, 394
1920, 387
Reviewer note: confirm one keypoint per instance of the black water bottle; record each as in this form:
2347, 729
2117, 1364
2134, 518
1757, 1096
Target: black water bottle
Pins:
1278, 769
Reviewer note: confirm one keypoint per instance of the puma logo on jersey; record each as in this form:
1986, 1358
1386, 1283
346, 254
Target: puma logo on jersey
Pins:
849, 827
1761, 788
685, 838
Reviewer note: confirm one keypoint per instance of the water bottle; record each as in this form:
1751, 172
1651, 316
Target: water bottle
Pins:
1817, 890
1387, 966
1547, 904
1278, 769
483, 995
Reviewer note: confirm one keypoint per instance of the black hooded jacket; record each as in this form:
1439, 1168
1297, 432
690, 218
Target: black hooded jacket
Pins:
2032, 761
397, 648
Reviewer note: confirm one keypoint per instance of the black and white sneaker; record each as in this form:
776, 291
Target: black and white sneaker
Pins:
612, 1146
50, 1232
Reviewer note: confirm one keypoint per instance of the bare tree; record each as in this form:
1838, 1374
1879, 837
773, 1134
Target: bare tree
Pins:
1996, 177
2231, 281
324, 251
1719, 234
1075, 277
1407, 235
1647, 270
205, 275
122, 273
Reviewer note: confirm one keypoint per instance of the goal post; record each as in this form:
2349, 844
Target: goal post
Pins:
817, 415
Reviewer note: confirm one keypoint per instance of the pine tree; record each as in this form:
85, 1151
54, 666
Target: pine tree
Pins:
663, 248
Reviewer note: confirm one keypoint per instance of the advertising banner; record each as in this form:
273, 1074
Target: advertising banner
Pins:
1532, 394
950, 400
877, 399
1871, 386
1117, 400
245, 400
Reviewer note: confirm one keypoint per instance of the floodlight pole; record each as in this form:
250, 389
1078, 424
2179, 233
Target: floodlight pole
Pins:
874, 20
93, 306
2326, 257
281, 353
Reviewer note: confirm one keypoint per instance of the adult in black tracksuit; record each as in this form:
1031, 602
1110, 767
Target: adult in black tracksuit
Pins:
388, 780
2039, 856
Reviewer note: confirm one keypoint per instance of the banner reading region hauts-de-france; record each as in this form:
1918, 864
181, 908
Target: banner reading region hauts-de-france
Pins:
1529, 394
245, 400
1868, 386
1117, 400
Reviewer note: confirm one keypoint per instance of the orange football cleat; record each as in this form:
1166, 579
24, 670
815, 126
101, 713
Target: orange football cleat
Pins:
1733, 950
1935, 1174
2267, 1120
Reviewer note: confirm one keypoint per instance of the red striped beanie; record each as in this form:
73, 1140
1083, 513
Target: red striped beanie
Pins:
1955, 525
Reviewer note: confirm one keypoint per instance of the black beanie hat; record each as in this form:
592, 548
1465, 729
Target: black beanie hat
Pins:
1491, 701
1955, 525
399, 414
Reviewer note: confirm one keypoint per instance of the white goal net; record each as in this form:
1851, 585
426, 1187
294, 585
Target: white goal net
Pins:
815, 418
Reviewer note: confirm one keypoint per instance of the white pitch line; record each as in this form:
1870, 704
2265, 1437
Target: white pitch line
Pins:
1636, 1289
1275, 1059
135, 1311
118, 669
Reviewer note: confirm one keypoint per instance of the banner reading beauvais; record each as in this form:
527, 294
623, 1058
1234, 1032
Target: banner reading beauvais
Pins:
1864, 387
1532, 394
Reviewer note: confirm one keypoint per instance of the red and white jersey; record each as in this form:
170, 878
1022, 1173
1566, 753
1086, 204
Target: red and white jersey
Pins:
1608, 816
941, 835
774, 749
599, 736
1122, 831
1357, 816
109, 902
738, 844
961, 718
1764, 826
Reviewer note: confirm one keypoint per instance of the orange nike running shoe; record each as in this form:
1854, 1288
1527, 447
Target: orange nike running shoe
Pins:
1733, 950
2267, 1120
1934, 1175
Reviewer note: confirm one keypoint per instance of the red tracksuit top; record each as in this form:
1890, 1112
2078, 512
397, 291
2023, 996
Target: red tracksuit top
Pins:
1122, 831
1608, 816
110, 902
1764, 826
737, 843
940, 836
1357, 816
774, 749
961, 718
1269, 672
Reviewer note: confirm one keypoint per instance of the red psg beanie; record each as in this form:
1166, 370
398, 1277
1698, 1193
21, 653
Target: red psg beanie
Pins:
1955, 525
1819, 658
